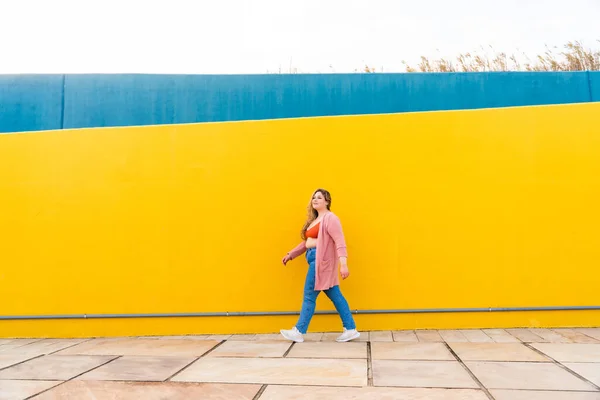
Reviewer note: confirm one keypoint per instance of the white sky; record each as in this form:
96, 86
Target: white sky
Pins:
259, 36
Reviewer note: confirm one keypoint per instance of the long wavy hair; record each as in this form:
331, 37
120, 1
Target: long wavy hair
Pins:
312, 213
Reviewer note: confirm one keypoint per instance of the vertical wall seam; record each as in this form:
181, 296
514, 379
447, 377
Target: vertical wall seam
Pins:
62, 105
589, 81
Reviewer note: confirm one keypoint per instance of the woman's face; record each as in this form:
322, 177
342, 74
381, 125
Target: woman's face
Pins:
318, 202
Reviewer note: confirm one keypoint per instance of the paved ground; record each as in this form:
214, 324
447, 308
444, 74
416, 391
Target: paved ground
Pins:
511, 364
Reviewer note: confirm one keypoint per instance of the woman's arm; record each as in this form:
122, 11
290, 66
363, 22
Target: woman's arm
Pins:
298, 250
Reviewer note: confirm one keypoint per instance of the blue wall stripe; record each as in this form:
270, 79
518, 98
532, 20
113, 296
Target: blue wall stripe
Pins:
33, 102
30, 102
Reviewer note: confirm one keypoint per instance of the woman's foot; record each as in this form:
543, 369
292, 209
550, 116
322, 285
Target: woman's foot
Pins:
293, 335
348, 335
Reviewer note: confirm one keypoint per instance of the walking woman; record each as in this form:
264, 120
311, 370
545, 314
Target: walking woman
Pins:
324, 244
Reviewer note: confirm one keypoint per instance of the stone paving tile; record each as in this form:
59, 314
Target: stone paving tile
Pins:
525, 335
550, 336
476, 336
184, 337
45, 346
278, 371
251, 349
364, 337
500, 336
16, 343
328, 337
381, 336
526, 375
570, 352
445, 374
411, 351
309, 337
138, 368
496, 352
542, 395
591, 332
404, 336
431, 336
218, 337
19, 390
142, 347
54, 367
275, 392
271, 337
6, 360
106, 390
119, 338
453, 336
574, 336
21, 341
318, 336
329, 350
590, 371
242, 337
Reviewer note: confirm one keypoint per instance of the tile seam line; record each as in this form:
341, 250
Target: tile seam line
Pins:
564, 367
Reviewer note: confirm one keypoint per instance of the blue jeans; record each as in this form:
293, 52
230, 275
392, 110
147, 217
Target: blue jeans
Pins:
310, 298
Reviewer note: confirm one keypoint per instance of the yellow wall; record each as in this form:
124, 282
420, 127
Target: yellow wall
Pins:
485, 208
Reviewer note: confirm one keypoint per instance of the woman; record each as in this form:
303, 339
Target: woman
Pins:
323, 242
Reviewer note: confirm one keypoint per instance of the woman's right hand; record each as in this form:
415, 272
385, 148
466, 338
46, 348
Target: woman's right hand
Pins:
286, 259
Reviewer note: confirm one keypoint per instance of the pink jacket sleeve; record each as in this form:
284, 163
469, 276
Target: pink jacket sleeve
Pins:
334, 228
298, 250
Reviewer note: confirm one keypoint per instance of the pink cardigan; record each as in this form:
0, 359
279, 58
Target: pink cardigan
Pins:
330, 246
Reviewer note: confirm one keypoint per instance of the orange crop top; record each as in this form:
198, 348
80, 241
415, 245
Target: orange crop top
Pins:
313, 232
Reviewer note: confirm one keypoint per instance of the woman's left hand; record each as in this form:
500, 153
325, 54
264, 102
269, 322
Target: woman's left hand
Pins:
344, 271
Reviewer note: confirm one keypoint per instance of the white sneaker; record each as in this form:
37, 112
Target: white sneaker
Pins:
293, 335
348, 335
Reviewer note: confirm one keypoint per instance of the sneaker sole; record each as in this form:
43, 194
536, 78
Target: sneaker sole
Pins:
355, 336
292, 339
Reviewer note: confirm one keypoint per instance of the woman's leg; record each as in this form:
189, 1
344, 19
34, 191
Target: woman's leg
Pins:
310, 295
342, 307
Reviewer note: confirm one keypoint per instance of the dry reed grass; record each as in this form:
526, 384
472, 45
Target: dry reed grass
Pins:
574, 57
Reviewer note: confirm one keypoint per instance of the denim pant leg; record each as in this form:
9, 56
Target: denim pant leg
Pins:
310, 294
342, 307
